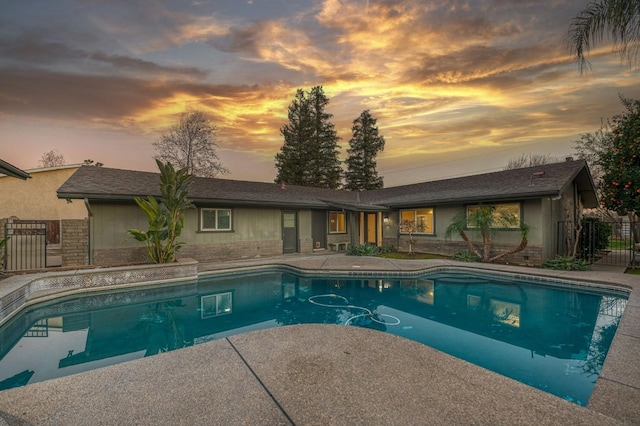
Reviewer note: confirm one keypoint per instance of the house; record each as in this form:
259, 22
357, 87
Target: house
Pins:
33, 216
236, 219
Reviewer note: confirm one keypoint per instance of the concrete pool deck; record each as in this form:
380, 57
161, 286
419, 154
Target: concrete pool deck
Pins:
329, 375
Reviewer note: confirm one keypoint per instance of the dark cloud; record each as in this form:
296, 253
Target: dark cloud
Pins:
140, 66
46, 94
240, 40
30, 51
34, 51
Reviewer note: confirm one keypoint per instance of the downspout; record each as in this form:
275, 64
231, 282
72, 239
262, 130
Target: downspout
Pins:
352, 227
89, 231
352, 224
554, 240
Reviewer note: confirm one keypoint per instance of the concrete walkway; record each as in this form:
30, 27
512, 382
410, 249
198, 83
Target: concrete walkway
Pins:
330, 375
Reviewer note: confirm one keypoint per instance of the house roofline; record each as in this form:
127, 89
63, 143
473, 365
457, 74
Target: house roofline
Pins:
483, 199
199, 202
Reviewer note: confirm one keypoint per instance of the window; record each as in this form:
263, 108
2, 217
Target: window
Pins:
504, 215
215, 219
337, 222
416, 221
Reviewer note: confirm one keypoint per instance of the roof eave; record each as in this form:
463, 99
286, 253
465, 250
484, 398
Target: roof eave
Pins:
196, 201
11, 170
482, 199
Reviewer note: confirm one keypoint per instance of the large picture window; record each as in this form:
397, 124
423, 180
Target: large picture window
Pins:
505, 215
417, 221
337, 222
215, 219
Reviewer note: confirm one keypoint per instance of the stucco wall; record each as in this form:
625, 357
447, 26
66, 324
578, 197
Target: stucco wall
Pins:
256, 232
36, 198
110, 224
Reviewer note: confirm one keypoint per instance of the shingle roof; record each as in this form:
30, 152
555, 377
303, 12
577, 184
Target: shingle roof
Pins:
101, 183
550, 180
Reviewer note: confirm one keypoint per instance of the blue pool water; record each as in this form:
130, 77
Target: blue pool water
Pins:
550, 337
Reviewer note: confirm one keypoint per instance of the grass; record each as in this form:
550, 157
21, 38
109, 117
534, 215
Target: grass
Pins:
617, 244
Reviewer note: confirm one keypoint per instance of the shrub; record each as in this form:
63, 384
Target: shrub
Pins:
3, 254
386, 249
166, 216
364, 250
466, 256
368, 249
594, 236
567, 263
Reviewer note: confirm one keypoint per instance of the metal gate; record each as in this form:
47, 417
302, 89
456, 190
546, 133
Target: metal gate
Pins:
27, 245
606, 242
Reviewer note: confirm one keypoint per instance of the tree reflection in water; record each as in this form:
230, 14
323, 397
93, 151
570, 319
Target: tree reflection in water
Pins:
164, 327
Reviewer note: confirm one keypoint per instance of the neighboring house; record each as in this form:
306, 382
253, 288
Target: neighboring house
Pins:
38, 222
239, 219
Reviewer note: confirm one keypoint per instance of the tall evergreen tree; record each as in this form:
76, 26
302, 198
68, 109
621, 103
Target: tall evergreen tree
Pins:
365, 144
309, 155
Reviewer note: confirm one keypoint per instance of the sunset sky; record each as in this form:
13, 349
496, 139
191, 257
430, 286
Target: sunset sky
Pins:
457, 87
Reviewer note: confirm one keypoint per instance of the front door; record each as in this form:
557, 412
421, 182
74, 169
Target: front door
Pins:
319, 229
289, 232
371, 228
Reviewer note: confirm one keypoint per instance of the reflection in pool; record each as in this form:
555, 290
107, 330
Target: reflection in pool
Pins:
546, 336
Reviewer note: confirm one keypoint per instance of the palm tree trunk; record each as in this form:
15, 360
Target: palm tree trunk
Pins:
522, 246
470, 244
486, 249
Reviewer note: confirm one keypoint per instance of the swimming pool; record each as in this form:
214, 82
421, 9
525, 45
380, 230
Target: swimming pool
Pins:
548, 336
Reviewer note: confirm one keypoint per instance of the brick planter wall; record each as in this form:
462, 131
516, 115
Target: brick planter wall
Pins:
53, 284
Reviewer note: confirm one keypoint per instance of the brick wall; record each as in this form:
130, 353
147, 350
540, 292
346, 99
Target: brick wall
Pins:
231, 250
119, 256
74, 240
306, 246
3, 249
530, 256
199, 252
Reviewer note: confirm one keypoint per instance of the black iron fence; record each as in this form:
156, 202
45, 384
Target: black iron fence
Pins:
608, 242
27, 245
